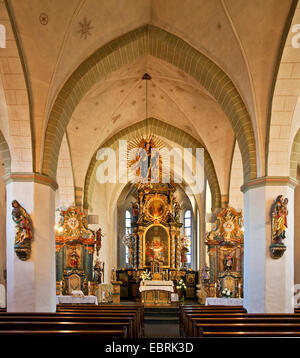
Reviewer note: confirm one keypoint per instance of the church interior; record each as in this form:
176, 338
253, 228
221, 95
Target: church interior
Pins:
150, 161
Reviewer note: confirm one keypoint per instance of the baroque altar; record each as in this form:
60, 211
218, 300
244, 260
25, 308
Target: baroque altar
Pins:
225, 243
156, 241
75, 248
156, 229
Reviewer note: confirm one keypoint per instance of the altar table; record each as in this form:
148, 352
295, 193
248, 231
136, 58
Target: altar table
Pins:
76, 300
220, 301
156, 291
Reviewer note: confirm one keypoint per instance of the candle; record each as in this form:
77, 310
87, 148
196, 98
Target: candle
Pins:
215, 285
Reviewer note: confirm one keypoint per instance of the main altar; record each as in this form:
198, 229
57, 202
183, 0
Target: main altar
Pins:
156, 291
156, 244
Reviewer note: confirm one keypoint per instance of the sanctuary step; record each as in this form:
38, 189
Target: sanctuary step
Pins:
161, 322
167, 314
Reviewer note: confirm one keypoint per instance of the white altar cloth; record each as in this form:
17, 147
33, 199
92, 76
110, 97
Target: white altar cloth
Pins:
220, 301
72, 299
156, 285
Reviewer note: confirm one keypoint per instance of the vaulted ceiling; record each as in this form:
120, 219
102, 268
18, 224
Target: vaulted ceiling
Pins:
242, 37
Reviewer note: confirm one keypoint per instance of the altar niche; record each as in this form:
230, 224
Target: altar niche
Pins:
157, 246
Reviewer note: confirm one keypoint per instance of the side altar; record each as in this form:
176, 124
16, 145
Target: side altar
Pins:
76, 267
225, 243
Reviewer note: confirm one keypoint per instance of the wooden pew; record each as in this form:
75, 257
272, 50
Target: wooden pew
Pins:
63, 326
246, 334
54, 318
138, 309
18, 335
191, 309
196, 322
138, 320
247, 329
81, 319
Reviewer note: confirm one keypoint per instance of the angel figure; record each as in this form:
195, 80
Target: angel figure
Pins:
177, 209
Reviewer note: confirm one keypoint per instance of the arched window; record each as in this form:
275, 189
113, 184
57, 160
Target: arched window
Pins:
188, 232
128, 231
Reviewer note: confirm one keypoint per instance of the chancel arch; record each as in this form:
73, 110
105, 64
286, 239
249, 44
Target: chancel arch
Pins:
158, 128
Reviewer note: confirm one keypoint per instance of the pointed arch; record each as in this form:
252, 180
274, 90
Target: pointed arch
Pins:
164, 130
164, 45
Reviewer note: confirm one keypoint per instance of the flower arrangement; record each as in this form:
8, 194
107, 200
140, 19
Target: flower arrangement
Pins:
181, 285
145, 275
226, 292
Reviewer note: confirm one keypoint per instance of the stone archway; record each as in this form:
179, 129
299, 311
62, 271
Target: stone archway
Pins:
165, 131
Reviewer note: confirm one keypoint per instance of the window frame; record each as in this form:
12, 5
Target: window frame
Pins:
189, 254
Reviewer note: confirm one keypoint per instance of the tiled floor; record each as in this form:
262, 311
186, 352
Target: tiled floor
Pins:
161, 330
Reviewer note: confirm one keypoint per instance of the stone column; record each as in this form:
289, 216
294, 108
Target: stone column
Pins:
78, 197
268, 282
224, 201
140, 251
31, 284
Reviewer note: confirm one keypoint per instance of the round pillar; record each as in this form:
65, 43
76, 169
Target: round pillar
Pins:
268, 282
31, 284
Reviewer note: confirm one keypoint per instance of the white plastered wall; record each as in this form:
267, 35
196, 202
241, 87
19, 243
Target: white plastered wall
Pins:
65, 193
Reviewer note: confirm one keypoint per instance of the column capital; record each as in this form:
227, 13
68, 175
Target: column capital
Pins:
30, 177
269, 181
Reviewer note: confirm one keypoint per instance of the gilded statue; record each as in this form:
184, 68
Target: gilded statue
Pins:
279, 226
279, 219
24, 229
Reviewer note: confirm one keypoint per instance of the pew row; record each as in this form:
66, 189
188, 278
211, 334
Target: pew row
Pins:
197, 322
105, 322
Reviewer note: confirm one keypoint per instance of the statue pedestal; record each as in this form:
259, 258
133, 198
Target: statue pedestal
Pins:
116, 291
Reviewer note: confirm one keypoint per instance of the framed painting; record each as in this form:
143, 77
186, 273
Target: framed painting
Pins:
156, 246
73, 257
